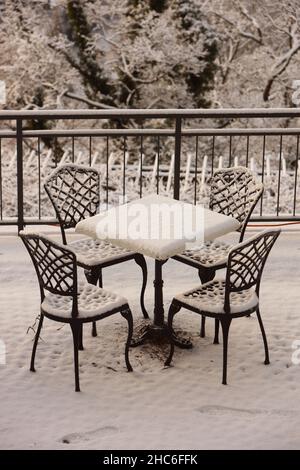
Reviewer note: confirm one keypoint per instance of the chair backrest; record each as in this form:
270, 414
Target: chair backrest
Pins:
235, 191
246, 262
55, 266
75, 194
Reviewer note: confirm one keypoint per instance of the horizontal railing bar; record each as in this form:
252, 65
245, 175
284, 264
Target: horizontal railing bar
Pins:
242, 132
166, 132
259, 219
12, 221
99, 132
275, 218
28, 220
152, 132
7, 134
149, 113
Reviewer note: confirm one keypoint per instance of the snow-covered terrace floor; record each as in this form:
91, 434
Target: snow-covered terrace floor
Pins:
182, 407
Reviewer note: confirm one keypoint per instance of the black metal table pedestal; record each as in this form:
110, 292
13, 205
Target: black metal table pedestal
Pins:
159, 330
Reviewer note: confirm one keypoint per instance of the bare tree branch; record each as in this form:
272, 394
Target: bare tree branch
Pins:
82, 99
279, 68
245, 34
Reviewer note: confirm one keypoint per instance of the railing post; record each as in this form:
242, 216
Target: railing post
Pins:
177, 158
20, 174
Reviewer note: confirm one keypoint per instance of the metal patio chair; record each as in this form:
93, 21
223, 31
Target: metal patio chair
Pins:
65, 300
235, 192
233, 297
75, 194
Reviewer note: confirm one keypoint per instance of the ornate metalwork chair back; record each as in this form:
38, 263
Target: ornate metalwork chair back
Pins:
75, 194
246, 263
235, 192
55, 265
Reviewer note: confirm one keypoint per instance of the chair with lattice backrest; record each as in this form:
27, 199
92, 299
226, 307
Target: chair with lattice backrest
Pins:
64, 299
75, 194
235, 296
234, 192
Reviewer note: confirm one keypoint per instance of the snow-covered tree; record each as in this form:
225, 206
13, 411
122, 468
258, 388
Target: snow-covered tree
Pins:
128, 53
168, 54
259, 55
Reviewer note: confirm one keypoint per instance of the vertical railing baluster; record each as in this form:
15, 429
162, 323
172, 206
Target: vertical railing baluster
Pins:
141, 166
177, 158
55, 150
124, 170
90, 150
20, 195
73, 149
107, 156
196, 170
247, 151
296, 175
263, 172
39, 175
1, 214
230, 149
157, 168
212, 155
279, 175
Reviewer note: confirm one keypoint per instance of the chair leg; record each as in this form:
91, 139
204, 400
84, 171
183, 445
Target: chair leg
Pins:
75, 327
172, 347
202, 329
128, 316
217, 327
267, 359
140, 260
93, 276
80, 338
205, 275
225, 323
174, 308
94, 330
36, 339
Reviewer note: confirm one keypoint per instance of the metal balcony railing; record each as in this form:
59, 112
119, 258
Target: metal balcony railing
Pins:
174, 156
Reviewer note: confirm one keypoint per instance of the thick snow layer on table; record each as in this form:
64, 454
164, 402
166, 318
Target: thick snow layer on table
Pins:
154, 218
182, 407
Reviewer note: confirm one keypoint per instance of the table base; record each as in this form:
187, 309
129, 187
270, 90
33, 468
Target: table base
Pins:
158, 334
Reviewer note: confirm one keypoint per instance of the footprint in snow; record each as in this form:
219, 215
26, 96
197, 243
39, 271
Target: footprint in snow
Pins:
76, 437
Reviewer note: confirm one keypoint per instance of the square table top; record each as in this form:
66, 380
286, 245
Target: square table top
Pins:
157, 226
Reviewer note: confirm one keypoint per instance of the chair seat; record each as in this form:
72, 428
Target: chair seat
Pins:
91, 252
211, 254
209, 297
92, 301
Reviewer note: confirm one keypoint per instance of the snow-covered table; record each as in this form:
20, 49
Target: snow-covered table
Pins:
159, 227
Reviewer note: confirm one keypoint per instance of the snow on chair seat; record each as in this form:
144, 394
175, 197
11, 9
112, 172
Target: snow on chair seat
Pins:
92, 252
210, 297
211, 253
92, 301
